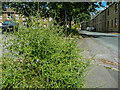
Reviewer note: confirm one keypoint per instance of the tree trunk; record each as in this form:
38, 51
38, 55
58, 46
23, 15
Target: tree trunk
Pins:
28, 22
70, 19
62, 18
75, 21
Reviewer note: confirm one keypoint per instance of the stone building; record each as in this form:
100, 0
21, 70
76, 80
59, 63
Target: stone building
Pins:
108, 19
84, 25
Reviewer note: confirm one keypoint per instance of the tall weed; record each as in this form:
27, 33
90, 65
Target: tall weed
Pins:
43, 58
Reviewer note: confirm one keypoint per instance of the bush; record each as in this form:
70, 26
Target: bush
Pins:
72, 32
75, 26
42, 58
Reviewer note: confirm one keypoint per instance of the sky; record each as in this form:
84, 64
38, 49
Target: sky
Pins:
104, 3
101, 8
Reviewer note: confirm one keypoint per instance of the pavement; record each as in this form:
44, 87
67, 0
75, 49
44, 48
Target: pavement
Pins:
102, 48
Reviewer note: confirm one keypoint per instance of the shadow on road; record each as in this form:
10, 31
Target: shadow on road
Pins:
95, 36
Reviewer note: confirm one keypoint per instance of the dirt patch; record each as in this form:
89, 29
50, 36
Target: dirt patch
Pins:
108, 62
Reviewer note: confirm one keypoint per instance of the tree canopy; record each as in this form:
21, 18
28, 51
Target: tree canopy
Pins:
61, 11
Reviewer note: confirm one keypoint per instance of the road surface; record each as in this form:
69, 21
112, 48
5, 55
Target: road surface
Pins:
103, 49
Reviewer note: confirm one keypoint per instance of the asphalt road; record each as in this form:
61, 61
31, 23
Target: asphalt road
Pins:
103, 49
107, 40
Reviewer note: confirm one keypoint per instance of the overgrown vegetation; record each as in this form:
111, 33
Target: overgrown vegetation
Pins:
73, 32
41, 57
0, 29
62, 12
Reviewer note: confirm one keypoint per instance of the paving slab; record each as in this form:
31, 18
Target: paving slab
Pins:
103, 72
99, 77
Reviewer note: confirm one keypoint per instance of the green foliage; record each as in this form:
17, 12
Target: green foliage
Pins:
42, 58
79, 11
0, 30
72, 32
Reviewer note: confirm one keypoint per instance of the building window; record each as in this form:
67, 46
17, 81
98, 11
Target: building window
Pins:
103, 15
115, 22
107, 24
16, 16
0, 16
8, 16
108, 12
116, 7
112, 23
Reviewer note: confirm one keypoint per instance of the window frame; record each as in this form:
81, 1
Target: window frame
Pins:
116, 7
116, 22
108, 12
108, 24
112, 24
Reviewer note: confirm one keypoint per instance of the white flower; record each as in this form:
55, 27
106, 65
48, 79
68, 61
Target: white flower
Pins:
37, 60
11, 42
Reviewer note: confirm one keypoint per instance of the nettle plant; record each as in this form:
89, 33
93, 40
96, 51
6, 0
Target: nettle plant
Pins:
42, 57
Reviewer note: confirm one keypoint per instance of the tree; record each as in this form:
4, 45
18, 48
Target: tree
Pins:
26, 8
58, 10
73, 9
